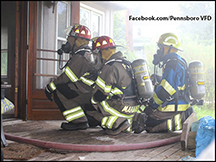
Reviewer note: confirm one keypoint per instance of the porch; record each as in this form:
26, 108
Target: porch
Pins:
50, 131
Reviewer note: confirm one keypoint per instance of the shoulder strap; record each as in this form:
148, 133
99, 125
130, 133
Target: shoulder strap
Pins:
82, 51
121, 60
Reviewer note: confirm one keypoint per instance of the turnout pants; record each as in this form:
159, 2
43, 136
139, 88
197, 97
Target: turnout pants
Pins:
159, 121
75, 109
115, 112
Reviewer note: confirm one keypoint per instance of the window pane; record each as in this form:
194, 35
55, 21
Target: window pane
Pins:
65, 56
4, 52
4, 62
95, 25
62, 19
84, 17
43, 78
51, 36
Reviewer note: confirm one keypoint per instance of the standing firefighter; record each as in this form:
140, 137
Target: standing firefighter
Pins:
169, 107
114, 86
72, 90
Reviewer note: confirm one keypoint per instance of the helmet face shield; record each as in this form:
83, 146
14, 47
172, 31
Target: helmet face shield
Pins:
68, 30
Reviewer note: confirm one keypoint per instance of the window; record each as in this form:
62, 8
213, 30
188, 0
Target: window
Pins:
91, 18
62, 23
51, 36
4, 52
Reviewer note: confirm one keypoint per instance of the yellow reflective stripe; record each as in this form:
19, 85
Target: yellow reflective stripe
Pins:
103, 122
109, 96
169, 124
116, 91
102, 85
70, 74
156, 99
142, 108
87, 73
181, 88
167, 87
110, 121
73, 114
129, 129
182, 107
93, 101
131, 109
178, 125
112, 111
52, 86
86, 81
66, 112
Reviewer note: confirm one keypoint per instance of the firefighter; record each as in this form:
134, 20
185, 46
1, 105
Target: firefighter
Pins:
169, 107
72, 90
112, 95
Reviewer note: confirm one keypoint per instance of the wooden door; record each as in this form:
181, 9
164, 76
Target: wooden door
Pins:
39, 107
42, 56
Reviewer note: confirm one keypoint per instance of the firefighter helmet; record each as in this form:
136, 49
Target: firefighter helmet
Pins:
103, 42
169, 39
79, 31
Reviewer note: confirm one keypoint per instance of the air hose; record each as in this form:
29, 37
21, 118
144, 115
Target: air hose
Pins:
93, 148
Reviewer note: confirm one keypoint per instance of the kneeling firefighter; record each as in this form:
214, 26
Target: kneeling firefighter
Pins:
114, 92
72, 90
170, 105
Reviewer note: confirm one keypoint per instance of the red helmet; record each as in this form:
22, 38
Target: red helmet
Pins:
80, 31
103, 42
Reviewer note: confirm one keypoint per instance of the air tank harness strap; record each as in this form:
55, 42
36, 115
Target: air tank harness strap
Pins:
176, 95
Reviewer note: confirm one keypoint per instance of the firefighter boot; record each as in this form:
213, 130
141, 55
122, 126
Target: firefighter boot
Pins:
188, 112
123, 126
73, 126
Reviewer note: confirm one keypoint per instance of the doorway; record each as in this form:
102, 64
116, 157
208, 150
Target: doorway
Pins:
8, 34
14, 54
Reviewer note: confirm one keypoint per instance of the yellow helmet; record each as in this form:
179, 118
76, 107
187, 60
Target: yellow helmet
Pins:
170, 39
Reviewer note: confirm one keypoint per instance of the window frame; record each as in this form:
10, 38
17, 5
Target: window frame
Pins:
97, 12
62, 39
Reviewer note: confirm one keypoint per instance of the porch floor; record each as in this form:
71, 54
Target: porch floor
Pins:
50, 131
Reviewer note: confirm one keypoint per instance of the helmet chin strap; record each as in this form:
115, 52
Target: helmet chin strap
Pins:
170, 47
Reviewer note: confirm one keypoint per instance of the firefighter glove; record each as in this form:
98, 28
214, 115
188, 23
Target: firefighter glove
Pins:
48, 93
138, 124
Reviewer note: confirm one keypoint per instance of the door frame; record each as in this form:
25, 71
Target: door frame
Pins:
39, 107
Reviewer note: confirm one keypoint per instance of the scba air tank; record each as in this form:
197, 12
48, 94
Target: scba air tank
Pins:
142, 77
197, 87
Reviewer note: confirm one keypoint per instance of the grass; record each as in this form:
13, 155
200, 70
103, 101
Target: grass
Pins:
203, 110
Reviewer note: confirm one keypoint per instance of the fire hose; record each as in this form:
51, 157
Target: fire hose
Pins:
93, 148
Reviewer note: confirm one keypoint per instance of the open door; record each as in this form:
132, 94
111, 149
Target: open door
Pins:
47, 20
